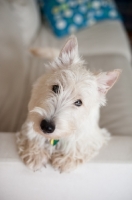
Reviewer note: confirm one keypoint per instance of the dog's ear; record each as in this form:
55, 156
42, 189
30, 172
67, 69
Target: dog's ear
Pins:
69, 53
106, 80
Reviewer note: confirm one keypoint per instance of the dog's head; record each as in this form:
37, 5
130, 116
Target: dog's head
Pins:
67, 98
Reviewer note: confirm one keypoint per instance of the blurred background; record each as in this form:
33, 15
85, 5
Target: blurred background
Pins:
102, 28
125, 8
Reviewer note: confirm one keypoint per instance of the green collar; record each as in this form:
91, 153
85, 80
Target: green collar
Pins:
54, 142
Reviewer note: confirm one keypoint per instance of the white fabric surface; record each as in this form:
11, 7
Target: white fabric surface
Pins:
12, 71
107, 176
116, 116
27, 17
108, 37
13, 59
94, 182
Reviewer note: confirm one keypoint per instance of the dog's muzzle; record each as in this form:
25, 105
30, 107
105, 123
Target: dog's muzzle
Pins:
47, 127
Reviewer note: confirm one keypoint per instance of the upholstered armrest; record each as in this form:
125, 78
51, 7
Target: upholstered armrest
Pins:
107, 176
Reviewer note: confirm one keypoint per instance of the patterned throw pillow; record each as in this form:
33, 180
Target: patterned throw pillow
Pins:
68, 16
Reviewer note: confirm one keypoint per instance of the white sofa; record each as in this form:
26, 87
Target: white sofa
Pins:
104, 46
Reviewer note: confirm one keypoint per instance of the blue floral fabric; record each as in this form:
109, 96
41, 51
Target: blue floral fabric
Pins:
68, 16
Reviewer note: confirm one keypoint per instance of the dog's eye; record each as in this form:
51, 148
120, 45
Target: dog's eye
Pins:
55, 88
78, 102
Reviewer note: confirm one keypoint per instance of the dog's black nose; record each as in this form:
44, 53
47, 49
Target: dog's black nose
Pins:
47, 127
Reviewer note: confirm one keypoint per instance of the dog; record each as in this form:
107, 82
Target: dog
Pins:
62, 126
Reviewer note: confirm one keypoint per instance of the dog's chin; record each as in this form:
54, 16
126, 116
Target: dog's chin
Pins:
51, 136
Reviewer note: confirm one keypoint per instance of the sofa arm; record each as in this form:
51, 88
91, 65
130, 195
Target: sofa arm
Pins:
107, 176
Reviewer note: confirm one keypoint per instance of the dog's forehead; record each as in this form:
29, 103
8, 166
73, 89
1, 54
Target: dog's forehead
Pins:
74, 76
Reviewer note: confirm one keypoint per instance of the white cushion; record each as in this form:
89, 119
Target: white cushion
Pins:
13, 59
12, 68
108, 37
116, 116
28, 18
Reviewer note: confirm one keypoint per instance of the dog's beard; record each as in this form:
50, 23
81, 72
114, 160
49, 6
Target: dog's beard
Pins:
64, 125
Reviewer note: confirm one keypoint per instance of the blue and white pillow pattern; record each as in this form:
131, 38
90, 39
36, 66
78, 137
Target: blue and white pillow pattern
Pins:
68, 16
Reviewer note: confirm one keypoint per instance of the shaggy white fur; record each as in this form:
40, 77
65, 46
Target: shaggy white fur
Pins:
70, 113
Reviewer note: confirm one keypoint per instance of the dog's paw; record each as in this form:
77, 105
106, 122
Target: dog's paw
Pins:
65, 163
35, 161
34, 156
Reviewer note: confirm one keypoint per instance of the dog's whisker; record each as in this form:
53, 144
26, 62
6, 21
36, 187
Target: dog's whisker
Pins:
38, 110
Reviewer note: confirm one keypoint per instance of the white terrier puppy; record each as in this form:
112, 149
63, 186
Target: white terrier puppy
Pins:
64, 109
